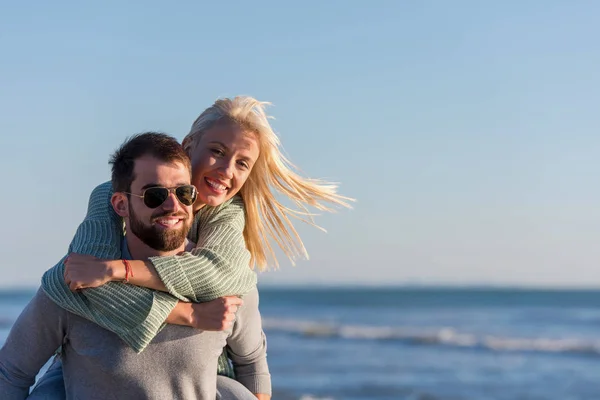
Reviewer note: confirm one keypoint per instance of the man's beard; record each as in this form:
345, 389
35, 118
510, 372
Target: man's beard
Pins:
156, 238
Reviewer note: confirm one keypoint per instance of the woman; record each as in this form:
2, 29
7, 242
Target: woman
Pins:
237, 167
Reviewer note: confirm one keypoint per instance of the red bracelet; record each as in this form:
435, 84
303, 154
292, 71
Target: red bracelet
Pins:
128, 271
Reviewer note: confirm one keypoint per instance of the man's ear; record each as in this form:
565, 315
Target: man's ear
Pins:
120, 204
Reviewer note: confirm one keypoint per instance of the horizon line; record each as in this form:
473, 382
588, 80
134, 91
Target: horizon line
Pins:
399, 285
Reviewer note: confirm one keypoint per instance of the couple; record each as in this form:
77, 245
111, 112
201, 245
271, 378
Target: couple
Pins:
107, 313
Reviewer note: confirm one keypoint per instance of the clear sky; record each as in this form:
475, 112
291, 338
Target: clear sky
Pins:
467, 130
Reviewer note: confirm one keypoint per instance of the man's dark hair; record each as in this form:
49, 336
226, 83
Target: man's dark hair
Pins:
158, 145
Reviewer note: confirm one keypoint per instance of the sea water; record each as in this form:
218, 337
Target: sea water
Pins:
422, 343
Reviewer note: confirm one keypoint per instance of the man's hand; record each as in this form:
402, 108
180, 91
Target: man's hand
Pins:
83, 271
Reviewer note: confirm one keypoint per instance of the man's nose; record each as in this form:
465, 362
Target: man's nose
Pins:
171, 203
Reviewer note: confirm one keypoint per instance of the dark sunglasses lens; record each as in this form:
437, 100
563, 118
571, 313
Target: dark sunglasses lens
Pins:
154, 197
186, 194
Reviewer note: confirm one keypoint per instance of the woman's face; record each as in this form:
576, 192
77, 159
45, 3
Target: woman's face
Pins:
221, 163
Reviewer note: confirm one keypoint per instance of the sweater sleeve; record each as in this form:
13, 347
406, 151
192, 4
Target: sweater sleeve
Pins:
135, 314
101, 232
219, 265
247, 347
36, 335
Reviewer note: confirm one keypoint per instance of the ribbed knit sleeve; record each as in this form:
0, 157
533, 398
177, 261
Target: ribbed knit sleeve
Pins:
219, 265
101, 232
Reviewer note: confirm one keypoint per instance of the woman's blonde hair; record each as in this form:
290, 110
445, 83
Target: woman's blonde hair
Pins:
267, 218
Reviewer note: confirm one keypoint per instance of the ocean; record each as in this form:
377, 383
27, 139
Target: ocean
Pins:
422, 343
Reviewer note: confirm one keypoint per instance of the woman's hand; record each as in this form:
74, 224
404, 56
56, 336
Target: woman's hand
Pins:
215, 315
82, 271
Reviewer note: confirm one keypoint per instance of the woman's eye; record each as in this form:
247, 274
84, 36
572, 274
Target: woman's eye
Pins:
243, 164
217, 152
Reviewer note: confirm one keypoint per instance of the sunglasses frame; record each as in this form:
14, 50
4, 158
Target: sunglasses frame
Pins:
170, 190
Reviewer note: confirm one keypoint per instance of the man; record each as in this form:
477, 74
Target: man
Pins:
180, 362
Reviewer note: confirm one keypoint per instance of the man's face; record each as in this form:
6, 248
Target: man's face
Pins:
163, 228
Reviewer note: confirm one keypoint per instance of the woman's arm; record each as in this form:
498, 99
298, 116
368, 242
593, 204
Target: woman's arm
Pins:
83, 272
101, 232
218, 266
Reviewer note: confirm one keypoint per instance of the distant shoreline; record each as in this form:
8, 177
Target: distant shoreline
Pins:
432, 287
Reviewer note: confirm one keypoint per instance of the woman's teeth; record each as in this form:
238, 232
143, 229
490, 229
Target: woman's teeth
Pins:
215, 185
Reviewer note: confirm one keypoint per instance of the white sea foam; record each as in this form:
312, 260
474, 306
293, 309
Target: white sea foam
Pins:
311, 397
446, 336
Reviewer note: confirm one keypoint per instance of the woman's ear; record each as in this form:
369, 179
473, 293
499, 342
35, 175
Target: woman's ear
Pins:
120, 204
186, 144
189, 145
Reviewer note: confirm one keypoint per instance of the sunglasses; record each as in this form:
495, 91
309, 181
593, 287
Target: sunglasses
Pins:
156, 196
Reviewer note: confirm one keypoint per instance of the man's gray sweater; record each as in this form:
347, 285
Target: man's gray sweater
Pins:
179, 363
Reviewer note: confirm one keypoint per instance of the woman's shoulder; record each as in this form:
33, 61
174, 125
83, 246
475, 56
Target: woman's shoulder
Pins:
230, 210
235, 202
235, 205
225, 217
99, 203
104, 188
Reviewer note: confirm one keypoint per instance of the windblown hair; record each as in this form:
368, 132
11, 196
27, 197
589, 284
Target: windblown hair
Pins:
266, 217
159, 145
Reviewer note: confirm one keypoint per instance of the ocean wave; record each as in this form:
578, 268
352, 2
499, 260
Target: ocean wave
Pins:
442, 337
6, 323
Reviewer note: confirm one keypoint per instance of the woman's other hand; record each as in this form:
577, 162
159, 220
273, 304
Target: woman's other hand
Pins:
82, 271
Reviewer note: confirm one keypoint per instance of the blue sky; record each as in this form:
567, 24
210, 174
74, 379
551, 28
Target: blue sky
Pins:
467, 130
